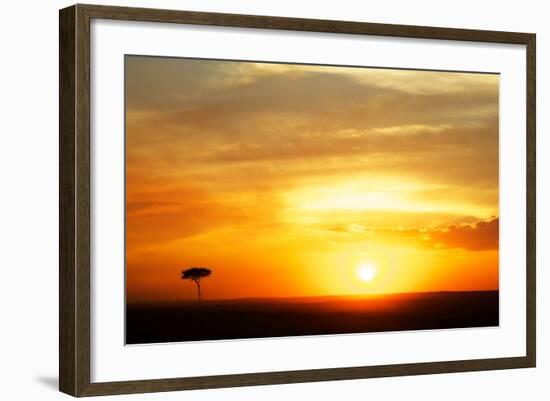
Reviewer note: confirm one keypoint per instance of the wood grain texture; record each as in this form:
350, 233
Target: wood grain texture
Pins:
74, 206
302, 376
300, 24
82, 195
67, 102
74, 199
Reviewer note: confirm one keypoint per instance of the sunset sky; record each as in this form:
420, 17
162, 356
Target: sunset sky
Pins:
295, 180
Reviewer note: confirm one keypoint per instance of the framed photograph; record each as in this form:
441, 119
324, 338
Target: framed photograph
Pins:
250, 200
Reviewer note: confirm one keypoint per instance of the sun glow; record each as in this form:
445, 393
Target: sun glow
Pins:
366, 271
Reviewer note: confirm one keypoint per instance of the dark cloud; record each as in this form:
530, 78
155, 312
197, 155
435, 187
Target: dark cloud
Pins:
483, 235
480, 235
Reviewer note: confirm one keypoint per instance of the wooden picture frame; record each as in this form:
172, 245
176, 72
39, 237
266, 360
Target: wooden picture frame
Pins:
74, 204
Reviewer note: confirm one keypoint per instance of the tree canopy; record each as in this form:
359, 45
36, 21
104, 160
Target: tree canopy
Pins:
195, 273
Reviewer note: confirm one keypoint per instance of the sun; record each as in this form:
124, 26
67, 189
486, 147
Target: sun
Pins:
366, 271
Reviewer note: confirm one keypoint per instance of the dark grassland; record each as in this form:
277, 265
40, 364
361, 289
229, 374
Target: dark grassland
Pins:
276, 317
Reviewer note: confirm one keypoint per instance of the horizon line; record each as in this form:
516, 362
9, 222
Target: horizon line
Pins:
378, 294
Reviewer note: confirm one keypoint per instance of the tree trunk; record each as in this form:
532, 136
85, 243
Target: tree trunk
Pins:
198, 289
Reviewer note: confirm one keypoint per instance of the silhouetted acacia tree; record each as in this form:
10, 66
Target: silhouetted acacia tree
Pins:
196, 274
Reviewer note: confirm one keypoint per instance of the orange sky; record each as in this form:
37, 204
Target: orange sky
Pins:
286, 179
